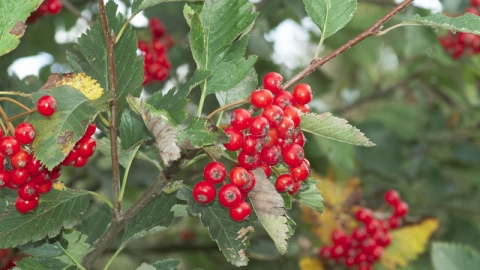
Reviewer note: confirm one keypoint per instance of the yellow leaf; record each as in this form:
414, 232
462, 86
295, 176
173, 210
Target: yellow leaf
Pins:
80, 81
407, 243
308, 263
59, 186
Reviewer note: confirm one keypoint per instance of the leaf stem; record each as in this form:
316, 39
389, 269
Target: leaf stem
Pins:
71, 257
22, 114
380, 33
202, 100
124, 26
109, 42
371, 31
104, 120
113, 257
19, 104
10, 127
101, 197
13, 93
233, 104
125, 176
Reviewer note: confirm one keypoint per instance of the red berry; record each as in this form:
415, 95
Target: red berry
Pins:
373, 226
45, 187
261, 98
229, 195
270, 139
337, 235
303, 108
91, 128
301, 171
46, 105
266, 169
302, 93
54, 7
300, 139
338, 251
286, 128
235, 139
259, 126
86, 147
326, 252
25, 133
364, 215
25, 206
394, 222
368, 245
292, 113
4, 178
142, 45
55, 173
204, 192
293, 155
273, 114
284, 142
240, 119
214, 172
20, 159
239, 176
295, 188
250, 184
80, 162
159, 47
43, 177
249, 162
70, 158
271, 155
384, 239
19, 176
284, 183
273, 82
359, 234
251, 145
401, 209
241, 211
282, 99
28, 191
34, 166
475, 3
9, 146
392, 197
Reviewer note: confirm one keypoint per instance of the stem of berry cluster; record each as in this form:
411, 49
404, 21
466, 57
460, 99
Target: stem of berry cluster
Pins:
371, 31
110, 42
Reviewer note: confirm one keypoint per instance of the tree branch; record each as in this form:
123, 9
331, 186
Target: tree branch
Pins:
371, 31
109, 42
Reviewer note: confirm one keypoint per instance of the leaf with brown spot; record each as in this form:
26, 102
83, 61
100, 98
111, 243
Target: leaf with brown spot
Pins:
270, 209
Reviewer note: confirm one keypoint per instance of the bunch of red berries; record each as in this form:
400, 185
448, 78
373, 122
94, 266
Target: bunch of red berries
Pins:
51, 7
8, 257
156, 63
366, 244
463, 43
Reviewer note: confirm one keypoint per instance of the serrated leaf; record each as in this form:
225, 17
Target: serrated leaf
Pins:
232, 237
329, 126
200, 133
467, 23
330, 15
218, 42
75, 243
42, 264
407, 243
310, 196
132, 129
174, 101
270, 210
139, 5
241, 91
57, 134
42, 248
156, 216
56, 209
447, 256
12, 22
167, 264
128, 67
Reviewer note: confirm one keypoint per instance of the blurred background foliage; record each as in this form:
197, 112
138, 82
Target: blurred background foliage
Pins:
402, 90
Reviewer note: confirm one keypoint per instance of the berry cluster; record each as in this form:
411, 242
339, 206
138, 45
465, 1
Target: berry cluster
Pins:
156, 63
263, 140
8, 257
366, 244
52, 7
463, 43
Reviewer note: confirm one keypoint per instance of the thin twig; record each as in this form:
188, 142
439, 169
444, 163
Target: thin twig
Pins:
10, 127
371, 31
19, 104
109, 42
75, 11
14, 93
233, 104
22, 114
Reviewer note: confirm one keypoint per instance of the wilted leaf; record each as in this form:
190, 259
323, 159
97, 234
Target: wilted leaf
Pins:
407, 243
468, 22
454, 257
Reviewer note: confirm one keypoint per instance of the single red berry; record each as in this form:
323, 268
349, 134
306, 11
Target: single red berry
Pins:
296, 186
273, 114
273, 82
271, 155
91, 128
303, 108
70, 158
240, 211
337, 236
293, 155
338, 251
215, 172
43, 177
249, 162
157, 27
350, 261
159, 47
284, 142
359, 234
25, 133
292, 113
80, 162
302, 93
301, 171
28, 191
240, 119
54, 7
9, 146
235, 139
55, 173
368, 245
46, 105
300, 139
19, 176
12, 185
45, 187
364, 215
475, 3
142, 46
229, 195
34, 166
87, 147
239, 176
261, 98
249, 185
266, 169
251, 145
20, 159
401, 209
392, 197
326, 252
4, 178
286, 128
282, 99
204, 192
2, 162
373, 226
259, 126
394, 222
270, 139
25, 206
384, 239
284, 183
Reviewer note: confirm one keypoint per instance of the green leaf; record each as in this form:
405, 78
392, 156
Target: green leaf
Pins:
139, 5
12, 22
310, 196
330, 15
467, 23
95, 222
174, 101
156, 216
41, 264
241, 91
198, 134
128, 67
132, 129
75, 244
42, 248
218, 41
270, 210
57, 134
55, 210
167, 264
454, 257
232, 237
334, 128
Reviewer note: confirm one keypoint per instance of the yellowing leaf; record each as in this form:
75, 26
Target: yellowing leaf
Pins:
407, 243
80, 81
308, 263
59, 185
